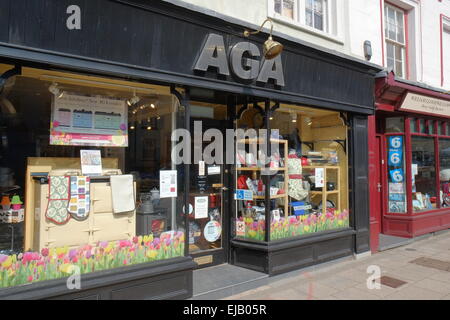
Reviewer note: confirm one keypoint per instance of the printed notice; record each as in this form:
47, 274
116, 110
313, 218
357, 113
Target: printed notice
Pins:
318, 177
91, 162
168, 183
80, 120
201, 207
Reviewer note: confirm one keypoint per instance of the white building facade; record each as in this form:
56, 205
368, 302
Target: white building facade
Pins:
411, 37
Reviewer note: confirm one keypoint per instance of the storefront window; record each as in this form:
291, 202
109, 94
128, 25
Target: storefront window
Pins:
395, 124
396, 174
308, 177
422, 126
430, 126
423, 170
444, 174
441, 128
86, 176
413, 124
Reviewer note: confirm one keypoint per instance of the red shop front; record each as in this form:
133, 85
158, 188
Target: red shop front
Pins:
409, 160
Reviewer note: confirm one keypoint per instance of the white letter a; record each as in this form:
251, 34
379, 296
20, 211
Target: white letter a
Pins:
74, 20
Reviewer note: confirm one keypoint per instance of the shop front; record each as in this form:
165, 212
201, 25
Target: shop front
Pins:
409, 167
136, 151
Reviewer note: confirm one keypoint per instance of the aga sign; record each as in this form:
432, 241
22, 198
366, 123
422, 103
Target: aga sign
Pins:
243, 61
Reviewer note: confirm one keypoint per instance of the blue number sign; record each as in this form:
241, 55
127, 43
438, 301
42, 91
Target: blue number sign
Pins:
396, 175
395, 151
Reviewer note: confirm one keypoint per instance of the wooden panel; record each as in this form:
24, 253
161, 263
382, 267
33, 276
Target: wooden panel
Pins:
4, 20
359, 151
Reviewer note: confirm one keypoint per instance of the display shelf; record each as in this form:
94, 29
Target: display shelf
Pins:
281, 170
259, 169
259, 140
277, 196
328, 192
325, 194
318, 166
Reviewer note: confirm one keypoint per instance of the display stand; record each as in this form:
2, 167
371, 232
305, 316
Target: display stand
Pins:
325, 194
279, 170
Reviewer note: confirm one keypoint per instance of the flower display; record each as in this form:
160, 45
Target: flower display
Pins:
57, 263
293, 226
298, 225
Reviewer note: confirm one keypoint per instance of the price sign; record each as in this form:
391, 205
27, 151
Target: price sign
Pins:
396, 175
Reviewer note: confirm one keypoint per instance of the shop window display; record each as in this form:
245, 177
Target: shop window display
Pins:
58, 217
444, 174
423, 170
306, 175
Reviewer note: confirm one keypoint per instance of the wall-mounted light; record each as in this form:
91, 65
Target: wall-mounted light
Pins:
53, 88
132, 127
367, 50
133, 100
294, 117
152, 106
271, 48
149, 128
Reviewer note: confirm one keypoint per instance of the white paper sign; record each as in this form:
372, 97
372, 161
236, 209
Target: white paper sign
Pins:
414, 169
168, 183
201, 168
318, 178
240, 228
201, 207
396, 187
213, 170
91, 162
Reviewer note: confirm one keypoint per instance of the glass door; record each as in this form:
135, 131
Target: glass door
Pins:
208, 184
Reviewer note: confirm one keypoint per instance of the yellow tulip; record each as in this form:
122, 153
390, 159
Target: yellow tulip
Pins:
66, 268
152, 254
306, 228
7, 263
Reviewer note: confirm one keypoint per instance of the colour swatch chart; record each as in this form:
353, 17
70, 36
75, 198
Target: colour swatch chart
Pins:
82, 120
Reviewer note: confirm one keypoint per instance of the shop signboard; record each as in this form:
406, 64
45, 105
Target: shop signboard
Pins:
244, 61
81, 120
423, 104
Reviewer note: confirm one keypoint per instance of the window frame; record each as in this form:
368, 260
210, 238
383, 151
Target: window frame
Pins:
395, 43
332, 21
325, 14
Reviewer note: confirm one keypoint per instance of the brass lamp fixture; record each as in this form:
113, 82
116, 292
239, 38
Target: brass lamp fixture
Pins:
271, 48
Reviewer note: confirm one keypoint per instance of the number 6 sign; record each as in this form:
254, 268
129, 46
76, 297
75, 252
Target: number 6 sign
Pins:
396, 175
395, 158
396, 142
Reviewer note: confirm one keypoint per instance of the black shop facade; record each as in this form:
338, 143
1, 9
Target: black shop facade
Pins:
93, 204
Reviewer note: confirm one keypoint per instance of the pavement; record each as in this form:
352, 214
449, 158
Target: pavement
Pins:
417, 271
